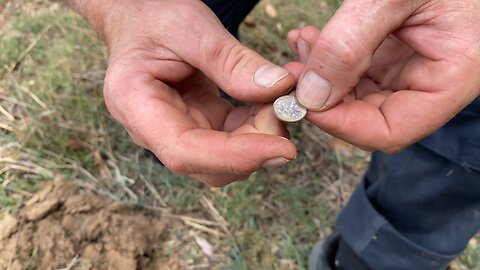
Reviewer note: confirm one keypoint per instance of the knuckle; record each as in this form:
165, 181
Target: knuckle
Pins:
397, 3
397, 146
217, 184
390, 145
170, 159
343, 56
240, 167
393, 150
115, 90
293, 35
230, 59
309, 34
176, 166
236, 56
135, 138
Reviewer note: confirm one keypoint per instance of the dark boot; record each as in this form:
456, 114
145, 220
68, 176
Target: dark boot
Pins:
334, 254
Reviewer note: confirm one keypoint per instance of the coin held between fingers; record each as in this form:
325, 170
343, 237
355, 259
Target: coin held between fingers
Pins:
288, 109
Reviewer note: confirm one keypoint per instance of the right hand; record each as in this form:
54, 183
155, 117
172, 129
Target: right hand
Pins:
167, 59
412, 66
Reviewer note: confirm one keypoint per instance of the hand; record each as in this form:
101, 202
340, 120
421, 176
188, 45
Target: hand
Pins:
167, 58
384, 74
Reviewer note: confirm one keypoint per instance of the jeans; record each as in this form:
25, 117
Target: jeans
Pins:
416, 209
230, 12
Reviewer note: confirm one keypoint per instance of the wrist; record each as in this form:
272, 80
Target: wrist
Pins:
97, 13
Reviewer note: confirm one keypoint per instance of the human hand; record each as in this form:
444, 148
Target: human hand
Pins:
384, 74
167, 58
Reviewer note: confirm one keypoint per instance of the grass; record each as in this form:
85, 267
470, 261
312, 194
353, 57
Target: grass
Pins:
53, 123
268, 37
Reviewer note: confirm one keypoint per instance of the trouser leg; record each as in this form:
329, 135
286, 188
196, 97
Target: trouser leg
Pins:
231, 12
413, 210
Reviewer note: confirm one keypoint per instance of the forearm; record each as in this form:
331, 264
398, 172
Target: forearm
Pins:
95, 11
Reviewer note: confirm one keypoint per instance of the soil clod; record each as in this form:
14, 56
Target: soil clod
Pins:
67, 222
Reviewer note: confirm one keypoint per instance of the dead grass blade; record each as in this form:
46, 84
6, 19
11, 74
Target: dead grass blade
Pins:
30, 48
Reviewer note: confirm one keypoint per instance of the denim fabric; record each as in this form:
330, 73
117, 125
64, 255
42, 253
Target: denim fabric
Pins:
418, 209
231, 12
459, 140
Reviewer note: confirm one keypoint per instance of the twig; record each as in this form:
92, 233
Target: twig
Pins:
122, 180
198, 221
199, 266
340, 176
6, 127
91, 177
154, 191
19, 191
16, 102
30, 47
203, 228
182, 217
7, 114
30, 169
71, 264
33, 96
216, 215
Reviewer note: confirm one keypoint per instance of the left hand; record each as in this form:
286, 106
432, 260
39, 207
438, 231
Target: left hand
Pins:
167, 58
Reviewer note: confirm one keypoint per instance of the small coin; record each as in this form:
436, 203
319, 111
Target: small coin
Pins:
288, 109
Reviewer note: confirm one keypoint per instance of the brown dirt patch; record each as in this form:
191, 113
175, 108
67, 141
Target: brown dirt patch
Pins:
64, 226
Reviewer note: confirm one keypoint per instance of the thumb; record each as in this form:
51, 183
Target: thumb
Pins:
208, 46
342, 52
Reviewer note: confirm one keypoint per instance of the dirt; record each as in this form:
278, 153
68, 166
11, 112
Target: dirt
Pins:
64, 226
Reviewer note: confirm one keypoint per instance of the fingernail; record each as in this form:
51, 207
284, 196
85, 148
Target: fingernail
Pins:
275, 162
313, 91
303, 50
268, 75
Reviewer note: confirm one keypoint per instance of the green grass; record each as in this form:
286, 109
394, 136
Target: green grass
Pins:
56, 125
268, 37
470, 258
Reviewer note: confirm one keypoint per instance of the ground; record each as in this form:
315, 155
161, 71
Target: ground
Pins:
54, 125
65, 223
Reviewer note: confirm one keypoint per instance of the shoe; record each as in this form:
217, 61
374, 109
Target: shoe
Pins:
335, 254
322, 256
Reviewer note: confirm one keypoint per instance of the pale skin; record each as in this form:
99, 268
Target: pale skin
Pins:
425, 70
166, 60
168, 57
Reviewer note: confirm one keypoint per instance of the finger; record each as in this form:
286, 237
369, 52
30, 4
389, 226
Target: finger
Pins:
343, 50
365, 87
186, 149
292, 38
259, 118
218, 180
307, 34
295, 68
213, 152
237, 117
389, 56
266, 122
387, 121
208, 46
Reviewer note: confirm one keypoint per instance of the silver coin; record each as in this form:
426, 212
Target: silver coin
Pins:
288, 109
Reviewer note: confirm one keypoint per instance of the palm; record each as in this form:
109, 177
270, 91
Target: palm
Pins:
174, 110
406, 85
